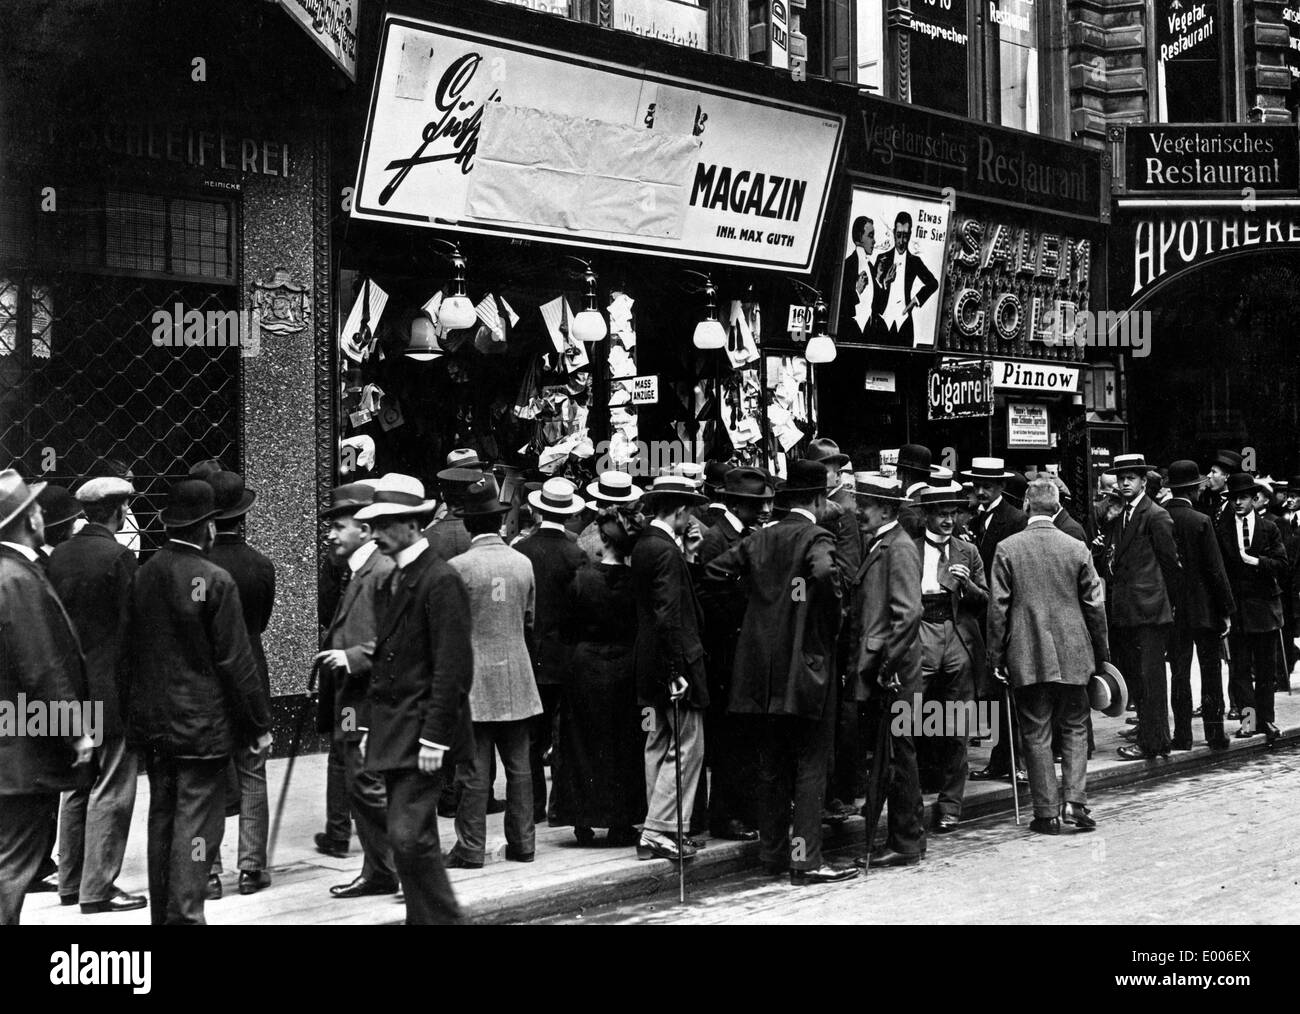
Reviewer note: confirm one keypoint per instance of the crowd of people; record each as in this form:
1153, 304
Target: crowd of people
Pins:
711, 652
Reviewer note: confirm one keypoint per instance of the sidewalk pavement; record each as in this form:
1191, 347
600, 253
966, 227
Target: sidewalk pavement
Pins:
566, 878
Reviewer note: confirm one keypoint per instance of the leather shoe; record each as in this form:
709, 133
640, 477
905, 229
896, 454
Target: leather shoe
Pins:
822, 875
946, 823
44, 885
888, 857
68, 899
1197, 713
1271, 733
1045, 825
515, 856
1131, 721
332, 847
1247, 733
120, 902
736, 830
496, 805
986, 775
252, 881
455, 861
664, 847
1130, 753
1235, 714
584, 835
1078, 815
1129, 734
213, 892
363, 887
1022, 776
1180, 744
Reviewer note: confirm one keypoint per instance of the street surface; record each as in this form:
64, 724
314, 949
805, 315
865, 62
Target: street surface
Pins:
1214, 846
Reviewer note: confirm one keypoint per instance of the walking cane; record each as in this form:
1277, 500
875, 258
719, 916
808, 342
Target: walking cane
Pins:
677, 773
293, 755
1286, 671
1011, 743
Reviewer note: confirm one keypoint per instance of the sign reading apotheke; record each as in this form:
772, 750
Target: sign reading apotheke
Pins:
489, 135
1210, 158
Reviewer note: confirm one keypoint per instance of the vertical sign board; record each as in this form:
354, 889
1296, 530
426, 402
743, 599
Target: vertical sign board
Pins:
333, 25
780, 22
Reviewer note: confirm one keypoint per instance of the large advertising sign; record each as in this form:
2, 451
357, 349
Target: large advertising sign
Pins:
1211, 158
493, 136
333, 26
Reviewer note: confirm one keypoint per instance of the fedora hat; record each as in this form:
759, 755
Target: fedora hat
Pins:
874, 486
205, 468
1242, 482
15, 495
557, 496
396, 496
1129, 463
462, 458
827, 451
678, 486
58, 505
1229, 461
1293, 485
987, 468
1107, 691
804, 476
483, 497
104, 487
914, 457
715, 473
189, 502
749, 484
612, 487
230, 495
346, 499
940, 496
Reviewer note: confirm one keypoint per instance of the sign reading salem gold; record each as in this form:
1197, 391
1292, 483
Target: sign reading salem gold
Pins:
494, 136
1212, 158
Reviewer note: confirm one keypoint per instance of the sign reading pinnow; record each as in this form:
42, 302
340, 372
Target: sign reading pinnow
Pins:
75, 967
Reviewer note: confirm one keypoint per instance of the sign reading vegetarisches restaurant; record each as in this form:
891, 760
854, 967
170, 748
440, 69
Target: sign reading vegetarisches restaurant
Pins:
493, 136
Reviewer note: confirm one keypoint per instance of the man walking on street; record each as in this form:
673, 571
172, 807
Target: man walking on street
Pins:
1047, 636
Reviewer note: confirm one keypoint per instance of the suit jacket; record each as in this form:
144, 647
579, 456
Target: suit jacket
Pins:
422, 668
669, 620
555, 557
40, 657
1066, 523
1255, 588
1205, 595
499, 581
849, 329
1142, 571
448, 537
887, 599
254, 576
914, 271
1047, 613
195, 688
353, 630
1003, 521
844, 530
92, 574
724, 610
968, 605
785, 657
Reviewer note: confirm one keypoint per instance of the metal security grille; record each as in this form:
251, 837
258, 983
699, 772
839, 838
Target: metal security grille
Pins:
81, 380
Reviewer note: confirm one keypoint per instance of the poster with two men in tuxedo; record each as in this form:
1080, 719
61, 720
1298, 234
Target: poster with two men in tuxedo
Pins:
896, 247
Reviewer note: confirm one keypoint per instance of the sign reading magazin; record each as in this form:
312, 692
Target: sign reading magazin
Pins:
499, 137
893, 269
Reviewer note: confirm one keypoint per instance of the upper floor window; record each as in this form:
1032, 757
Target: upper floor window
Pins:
1011, 41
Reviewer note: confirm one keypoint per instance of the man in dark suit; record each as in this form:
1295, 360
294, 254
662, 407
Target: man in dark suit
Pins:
887, 598
254, 576
668, 658
344, 662
1255, 560
715, 477
1143, 581
954, 596
732, 753
784, 672
859, 318
419, 723
555, 557
196, 696
1202, 612
1213, 501
40, 659
447, 536
92, 573
995, 519
903, 284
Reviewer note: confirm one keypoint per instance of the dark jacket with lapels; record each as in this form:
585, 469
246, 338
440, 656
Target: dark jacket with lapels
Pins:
1205, 595
1142, 572
555, 557
352, 630
669, 621
1255, 587
1003, 520
254, 575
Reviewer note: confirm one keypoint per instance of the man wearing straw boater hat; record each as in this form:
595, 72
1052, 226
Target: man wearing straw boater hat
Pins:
43, 661
887, 599
419, 719
1255, 560
1143, 578
668, 657
954, 596
193, 702
1203, 612
555, 558
612, 490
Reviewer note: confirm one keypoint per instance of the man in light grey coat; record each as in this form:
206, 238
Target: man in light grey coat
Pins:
1047, 635
503, 696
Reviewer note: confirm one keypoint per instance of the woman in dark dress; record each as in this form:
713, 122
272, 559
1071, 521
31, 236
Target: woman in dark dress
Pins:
602, 741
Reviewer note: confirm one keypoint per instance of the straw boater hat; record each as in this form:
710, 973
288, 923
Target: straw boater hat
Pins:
396, 496
58, 505
1107, 691
189, 502
105, 487
677, 486
15, 495
987, 468
937, 497
692, 470
610, 489
1129, 463
942, 476
482, 498
874, 486
557, 496
348, 498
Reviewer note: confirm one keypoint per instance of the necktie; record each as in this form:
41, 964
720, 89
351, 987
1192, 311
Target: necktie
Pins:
1245, 532
942, 547
1128, 516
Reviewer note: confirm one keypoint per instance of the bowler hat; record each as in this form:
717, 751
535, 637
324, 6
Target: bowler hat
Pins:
1129, 463
396, 496
715, 473
1293, 485
557, 496
1241, 482
205, 468
826, 451
914, 457
803, 477
483, 497
937, 497
58, 505
1016, 487
987, 468
1185, 472
229, 494
874, 486
1229, 461
189, 502
1107, 691
346, 499
749, 484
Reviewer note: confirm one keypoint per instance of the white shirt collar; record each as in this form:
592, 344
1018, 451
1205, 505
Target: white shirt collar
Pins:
182, 542
554, 525
360, 555
805, 512
1135, 501
411, 553
733, 521
994, 505
885, 528
25, 551
1043, 518
486, 535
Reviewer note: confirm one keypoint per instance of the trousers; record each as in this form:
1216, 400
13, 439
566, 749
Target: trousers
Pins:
665, 749
26, 837
413, 831
95, 823
187, 816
